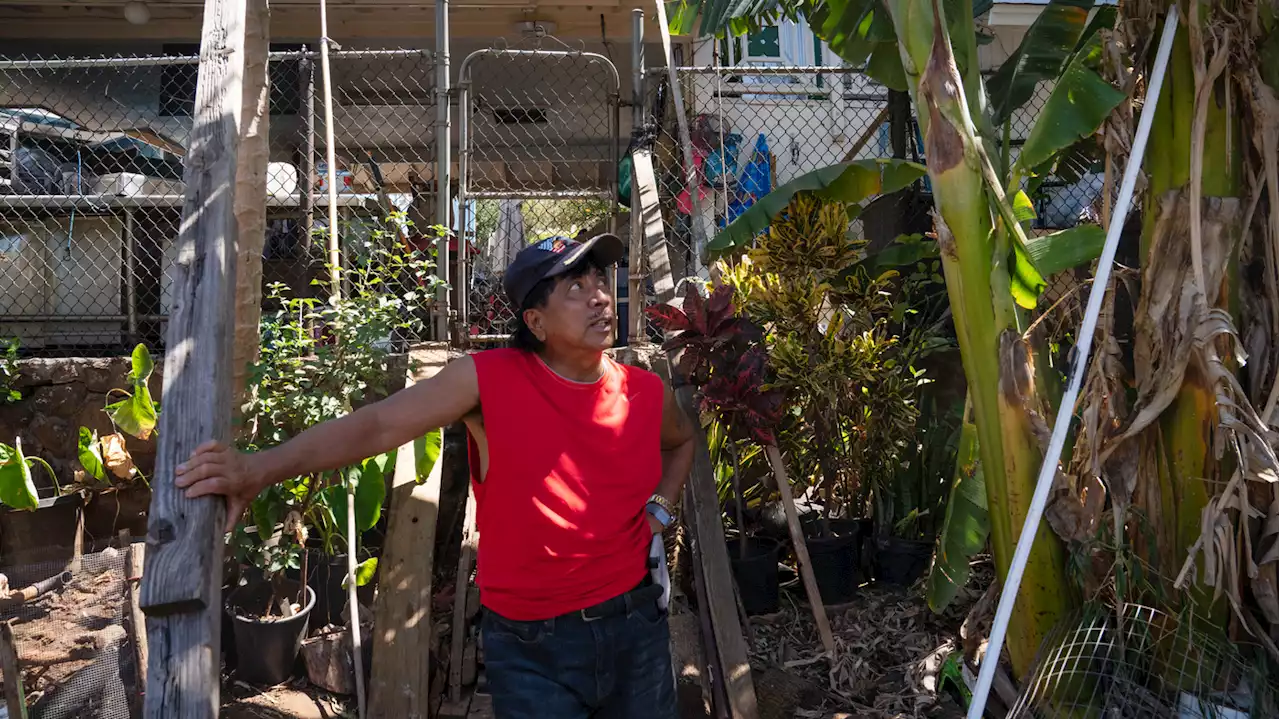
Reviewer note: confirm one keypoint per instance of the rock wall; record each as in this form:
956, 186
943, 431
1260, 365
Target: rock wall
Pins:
58, 397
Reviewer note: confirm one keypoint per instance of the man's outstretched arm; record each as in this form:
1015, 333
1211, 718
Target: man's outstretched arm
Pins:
382, 426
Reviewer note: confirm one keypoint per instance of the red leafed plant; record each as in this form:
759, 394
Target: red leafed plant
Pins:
724, 358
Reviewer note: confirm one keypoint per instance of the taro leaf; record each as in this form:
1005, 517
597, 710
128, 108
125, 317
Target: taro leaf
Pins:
142, 363
16, 488
847, 182
1059, 251
90, 455
1045, 46
1080, 102
426, 450
116, 456
965, 529
371, 490
135, 414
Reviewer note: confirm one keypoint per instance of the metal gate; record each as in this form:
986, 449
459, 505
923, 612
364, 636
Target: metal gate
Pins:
538, 138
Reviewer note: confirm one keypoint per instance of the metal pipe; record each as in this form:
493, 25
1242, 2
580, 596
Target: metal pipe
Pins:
635, 255
105, 203
15, 319
1098, 290
444, 143
540, 195
130, 278
165, 60
463, 337
464, 70
306, 187
759, 70
335, 269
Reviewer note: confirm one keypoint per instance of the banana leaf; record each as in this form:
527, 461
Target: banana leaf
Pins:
1039, 57
847, 182
965, 529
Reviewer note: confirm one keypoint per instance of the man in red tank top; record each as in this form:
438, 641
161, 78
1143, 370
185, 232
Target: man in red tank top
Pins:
576, 464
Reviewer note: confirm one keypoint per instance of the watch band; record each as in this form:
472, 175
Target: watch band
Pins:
663, 502
660, 513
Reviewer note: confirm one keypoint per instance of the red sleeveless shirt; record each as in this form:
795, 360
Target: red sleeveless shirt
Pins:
571, 465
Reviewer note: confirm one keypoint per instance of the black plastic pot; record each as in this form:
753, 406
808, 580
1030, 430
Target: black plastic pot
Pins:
324, 575
756, 574
835, 562
901, 561
46, 534
266, 649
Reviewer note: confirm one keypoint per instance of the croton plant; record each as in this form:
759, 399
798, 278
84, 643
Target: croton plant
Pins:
723, 356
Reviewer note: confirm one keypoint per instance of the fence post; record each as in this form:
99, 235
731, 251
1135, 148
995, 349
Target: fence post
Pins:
444, 142
635, 258
181, 587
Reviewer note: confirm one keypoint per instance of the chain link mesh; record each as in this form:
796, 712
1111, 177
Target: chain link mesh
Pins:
540, 154
91, 186
77, 657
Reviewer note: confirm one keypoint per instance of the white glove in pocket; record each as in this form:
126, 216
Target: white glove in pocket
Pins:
658, 569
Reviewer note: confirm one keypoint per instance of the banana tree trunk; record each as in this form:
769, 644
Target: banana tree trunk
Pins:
1194, 166
999, 371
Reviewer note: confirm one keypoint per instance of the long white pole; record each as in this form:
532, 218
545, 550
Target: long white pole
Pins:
335, 274
1049, 467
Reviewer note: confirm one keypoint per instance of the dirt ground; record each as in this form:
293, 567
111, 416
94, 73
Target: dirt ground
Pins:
294, 700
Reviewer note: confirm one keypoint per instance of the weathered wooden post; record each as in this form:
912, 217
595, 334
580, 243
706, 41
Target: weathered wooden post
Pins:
181, 591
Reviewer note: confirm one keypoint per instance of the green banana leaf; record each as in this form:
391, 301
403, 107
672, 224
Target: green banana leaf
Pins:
1081, 100
1067, 249
844, 182
371, 489
1046, 45
966, 526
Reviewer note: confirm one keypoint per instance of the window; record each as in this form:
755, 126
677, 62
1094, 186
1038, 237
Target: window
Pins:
178, 82
787, 44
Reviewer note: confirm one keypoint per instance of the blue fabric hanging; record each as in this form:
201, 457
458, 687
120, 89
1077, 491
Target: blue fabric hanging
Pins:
756, 180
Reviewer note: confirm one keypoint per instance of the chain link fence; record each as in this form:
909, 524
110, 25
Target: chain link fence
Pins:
91, 186
756, 128
539, 137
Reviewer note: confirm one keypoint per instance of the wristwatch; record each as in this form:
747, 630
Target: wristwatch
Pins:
660, 513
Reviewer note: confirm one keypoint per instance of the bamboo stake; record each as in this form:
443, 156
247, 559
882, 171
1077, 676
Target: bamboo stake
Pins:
802, 551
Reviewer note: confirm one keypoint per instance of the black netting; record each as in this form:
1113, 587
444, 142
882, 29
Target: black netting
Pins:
74, 642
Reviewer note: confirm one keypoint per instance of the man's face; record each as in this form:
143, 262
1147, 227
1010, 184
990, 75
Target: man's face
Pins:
578, 314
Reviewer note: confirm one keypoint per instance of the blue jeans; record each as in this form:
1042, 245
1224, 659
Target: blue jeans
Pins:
568, 667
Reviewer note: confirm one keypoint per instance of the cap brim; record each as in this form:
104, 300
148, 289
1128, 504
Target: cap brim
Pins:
605, 249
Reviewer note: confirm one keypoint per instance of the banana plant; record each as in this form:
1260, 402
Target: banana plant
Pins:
982, 209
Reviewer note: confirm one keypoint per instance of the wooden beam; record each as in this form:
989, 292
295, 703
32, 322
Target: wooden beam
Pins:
181, 589
251, 187
399, 681
466, 560
135, 555
802, 549
703, 519
14, 698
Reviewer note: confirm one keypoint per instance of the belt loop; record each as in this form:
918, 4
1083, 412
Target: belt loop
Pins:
628, 603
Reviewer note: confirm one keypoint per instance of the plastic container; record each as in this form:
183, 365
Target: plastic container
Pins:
901, 561
266, 649
835, 561
756, 574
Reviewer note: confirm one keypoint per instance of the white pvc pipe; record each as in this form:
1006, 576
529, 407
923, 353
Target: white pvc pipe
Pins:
1044, 483
335, 275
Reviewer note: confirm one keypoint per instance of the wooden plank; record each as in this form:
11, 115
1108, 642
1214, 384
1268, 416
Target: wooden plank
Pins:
399, 678
649, 214
802, 549
15, 700
135, 556
181, 590
251, 185
466, 560
704, 520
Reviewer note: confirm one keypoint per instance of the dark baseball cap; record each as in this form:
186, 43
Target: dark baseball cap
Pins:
553, 257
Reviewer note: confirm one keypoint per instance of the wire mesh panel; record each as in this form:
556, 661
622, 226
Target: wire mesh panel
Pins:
1142, 662
539, 157
91, 181
77, 657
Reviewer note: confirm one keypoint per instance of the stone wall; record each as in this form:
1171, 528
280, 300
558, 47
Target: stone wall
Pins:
58, 397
